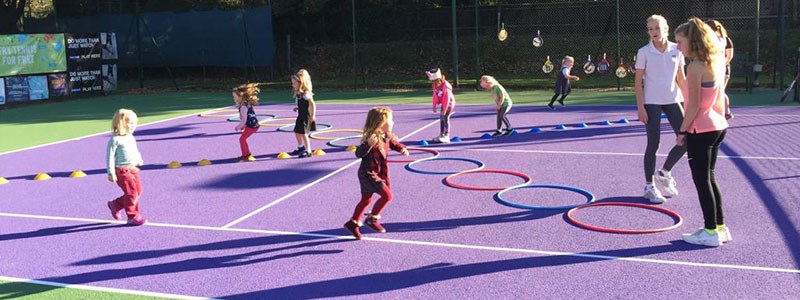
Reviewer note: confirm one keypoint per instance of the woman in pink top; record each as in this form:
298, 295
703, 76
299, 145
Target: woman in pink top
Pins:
442, 95
704, 125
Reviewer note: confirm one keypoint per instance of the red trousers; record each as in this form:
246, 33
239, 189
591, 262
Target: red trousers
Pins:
386, 197
243, 140
130, 183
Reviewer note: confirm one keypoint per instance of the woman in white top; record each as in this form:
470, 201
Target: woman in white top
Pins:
659, 85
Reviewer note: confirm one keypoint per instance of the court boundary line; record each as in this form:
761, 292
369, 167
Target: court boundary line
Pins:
105, 132
602, 153
309, 185
100, 289
424, 243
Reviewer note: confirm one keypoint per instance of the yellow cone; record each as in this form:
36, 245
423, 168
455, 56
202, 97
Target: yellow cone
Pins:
318, 152
351, 148
3, 180
77, 174
203, 162
284, 155
174, 165
42, 176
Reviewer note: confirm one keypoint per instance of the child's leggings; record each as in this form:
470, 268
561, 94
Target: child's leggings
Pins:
703, 149
555, 96
128, 180
502, 117
444, 121
243, 140
386, 197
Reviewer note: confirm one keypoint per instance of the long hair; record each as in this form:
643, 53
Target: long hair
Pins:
492, 81
248, 92
436, 83
702, 40
119, 124
717, 27
376, 118
304, 80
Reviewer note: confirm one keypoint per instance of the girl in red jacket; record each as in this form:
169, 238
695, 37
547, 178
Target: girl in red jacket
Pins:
373, 173
442, 95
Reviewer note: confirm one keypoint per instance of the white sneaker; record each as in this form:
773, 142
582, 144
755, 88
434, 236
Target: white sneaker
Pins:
701, 237
667, 183
652, 194
444, 139
724, 233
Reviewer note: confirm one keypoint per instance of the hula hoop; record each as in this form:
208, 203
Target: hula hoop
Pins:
215, 113
435, 154
265, 122
334, 142
314, 135
237, 118
449, 180
290, 127
675, 216
499, 197
410, 166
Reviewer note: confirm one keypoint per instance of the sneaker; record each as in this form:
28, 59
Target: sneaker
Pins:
497, 133
561, 102
137, 221
652, 194
724, 233
667, 183
507, 131
245, 158
444, 139
352, 227
550, 105
298, 151
114, 211
701, 237
304, 154
372, 222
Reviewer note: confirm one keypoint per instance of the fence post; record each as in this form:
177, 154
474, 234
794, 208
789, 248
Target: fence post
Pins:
455, 44
355, 57
478, 69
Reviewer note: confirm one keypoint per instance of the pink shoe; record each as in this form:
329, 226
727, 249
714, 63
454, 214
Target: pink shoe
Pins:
137, 221
352, 227
114, 211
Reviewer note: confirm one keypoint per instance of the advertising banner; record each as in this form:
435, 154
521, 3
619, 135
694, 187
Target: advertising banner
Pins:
58, 84
37, 87
2, 91
17, 89
85, 79
22, 54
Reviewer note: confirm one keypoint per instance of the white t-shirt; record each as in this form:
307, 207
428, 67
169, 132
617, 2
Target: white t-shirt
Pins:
660, 71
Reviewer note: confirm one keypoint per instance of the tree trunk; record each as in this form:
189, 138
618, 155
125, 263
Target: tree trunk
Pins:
10, 15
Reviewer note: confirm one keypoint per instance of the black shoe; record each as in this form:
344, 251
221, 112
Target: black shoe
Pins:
562, 103
304, 154
497, 133
550, 105
508, 131
297, 151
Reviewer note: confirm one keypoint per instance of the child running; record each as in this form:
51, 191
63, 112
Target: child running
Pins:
373, 173
306, 112
502, 103
442, 95
246, 96
563, 87
123, 161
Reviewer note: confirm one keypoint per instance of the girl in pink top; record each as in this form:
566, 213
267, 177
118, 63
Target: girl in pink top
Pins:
704, 125
442, 95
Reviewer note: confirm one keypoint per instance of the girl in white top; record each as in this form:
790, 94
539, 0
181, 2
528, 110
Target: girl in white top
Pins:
659, 85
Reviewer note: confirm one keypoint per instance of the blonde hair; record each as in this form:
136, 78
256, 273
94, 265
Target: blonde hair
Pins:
436, 83
662, 22
717, 27
376, 118
248, 92
304, 80
567, 58
119, 124
702, 42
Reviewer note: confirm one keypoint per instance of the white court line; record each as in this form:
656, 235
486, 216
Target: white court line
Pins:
105, 132
423, 243
99, 289
601, 153
281, 199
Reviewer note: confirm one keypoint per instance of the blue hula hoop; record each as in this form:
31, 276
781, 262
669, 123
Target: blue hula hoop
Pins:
410, 166
333, 142
258, 116
290, 127
499, 197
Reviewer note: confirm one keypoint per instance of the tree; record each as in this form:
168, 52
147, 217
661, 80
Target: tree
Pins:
10, 13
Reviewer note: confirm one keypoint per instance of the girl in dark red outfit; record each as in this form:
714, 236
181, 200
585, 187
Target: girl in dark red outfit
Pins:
373, 174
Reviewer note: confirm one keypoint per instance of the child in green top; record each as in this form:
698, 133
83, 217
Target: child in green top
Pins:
502, 102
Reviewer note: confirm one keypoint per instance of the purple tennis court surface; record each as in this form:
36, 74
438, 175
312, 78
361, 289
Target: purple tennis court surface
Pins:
272, 229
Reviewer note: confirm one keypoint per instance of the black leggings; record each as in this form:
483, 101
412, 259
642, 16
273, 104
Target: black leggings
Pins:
702, 149
555, 96
653, 127
502, 118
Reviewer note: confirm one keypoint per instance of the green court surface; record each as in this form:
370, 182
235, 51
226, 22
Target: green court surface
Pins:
43, 123
28, 291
